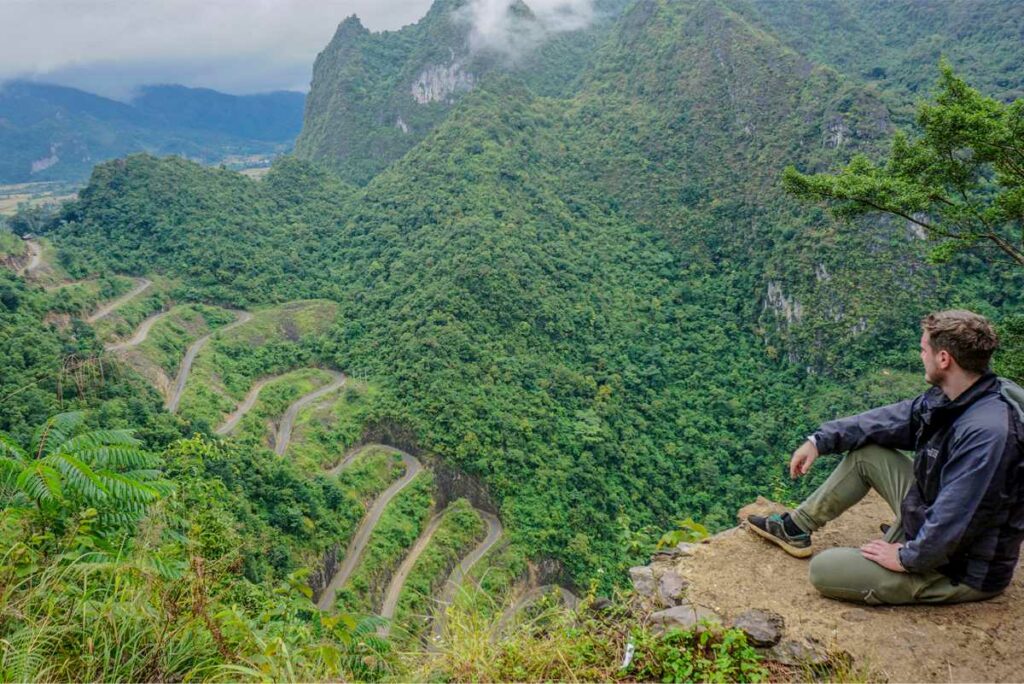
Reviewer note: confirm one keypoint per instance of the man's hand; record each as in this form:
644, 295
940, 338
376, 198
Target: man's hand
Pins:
885, 554
802, 459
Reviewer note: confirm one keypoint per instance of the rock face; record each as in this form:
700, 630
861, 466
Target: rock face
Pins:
762, 627
438, 83
686, 616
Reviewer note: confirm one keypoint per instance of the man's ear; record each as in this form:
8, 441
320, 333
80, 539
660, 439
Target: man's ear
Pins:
945, 359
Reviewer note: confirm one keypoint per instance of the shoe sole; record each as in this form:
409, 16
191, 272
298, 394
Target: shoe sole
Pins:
794, 551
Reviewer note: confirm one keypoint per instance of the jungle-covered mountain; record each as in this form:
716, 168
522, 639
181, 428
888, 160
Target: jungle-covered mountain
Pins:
50, 132
595, 297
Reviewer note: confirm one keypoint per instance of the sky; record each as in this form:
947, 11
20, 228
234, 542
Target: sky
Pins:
237, 46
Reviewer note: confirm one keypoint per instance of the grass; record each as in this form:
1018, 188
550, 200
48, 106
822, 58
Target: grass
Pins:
82, 297
324, 431
370, 474
123, 321
559, 644
398, 528
170, 337
273, 401
274, 341
11, 245
460, 530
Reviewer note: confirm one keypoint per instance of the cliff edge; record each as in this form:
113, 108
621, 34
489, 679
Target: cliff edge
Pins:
735, 574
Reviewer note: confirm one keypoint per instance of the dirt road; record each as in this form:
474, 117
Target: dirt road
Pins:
354, 552
190, 357
250, 400
140, 333
284, 430
454, 582
387, 610
141, 285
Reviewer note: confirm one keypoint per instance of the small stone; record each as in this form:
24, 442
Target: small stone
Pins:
762, 627
672, 588
799, 653
600, 604
643, 580
685, 616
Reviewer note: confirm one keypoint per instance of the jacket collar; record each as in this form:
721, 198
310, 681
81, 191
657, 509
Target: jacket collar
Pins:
940, 405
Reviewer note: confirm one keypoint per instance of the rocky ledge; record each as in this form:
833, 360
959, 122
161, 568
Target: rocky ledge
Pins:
742, 581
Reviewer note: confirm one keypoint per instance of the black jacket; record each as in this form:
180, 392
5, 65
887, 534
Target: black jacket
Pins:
964, 514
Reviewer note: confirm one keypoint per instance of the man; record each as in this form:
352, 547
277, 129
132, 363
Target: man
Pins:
959, 502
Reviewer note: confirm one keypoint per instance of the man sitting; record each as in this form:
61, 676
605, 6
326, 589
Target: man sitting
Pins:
959, 501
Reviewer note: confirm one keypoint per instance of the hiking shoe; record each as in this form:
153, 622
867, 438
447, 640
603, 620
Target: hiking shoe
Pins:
773, 528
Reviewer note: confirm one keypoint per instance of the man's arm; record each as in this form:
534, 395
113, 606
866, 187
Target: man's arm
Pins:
893, 426
974, 459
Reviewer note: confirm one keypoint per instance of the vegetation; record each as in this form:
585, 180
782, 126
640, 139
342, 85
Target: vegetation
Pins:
961, 182
400, 525
460, 530
370, 474
558, 644
323, 432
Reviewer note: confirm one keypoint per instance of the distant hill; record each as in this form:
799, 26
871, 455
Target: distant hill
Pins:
50, 132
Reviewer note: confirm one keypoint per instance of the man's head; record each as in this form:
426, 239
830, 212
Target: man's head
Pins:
953, 341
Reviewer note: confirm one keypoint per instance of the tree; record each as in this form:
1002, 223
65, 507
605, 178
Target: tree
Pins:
66, 469
961, 179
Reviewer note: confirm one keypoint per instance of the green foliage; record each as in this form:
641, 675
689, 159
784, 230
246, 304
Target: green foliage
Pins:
400, 525
686, 531
1009, 360
961, 181
460, 530
370, 474
706, 655
558, 644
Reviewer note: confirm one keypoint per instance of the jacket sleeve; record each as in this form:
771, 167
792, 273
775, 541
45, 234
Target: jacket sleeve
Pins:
974, 459
893, 426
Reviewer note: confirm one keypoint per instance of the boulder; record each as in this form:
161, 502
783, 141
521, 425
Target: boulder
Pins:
685, 616
672, 588
799, 653
762, 627
643, 580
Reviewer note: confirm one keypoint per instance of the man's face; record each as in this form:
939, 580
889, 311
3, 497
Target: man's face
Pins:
933, 371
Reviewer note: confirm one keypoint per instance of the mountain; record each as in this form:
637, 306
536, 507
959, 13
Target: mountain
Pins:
50, 132
596, 303
374, 96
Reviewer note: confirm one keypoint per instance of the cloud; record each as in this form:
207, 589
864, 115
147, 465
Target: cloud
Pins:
215, 43
512, 28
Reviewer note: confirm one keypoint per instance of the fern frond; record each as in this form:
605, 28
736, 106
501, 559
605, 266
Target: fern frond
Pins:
98, 438
123, 488
55, 431
79, 476
11, 449
116, 456
41, 482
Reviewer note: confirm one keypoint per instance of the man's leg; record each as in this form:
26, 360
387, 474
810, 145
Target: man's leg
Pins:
887, 471
843, 573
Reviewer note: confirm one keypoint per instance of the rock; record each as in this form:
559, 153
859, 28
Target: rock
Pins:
799, 653
762, 627
644, 584
761, 506
685, 549
600, 604
672, 588
680, 550
686, 616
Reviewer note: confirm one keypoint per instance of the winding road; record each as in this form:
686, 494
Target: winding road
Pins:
190, 357
387, 610
250, 400
284, 430
141, 285
140, 333
459, 572
354, 552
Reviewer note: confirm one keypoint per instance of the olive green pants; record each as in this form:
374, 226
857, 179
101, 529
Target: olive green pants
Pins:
843, 573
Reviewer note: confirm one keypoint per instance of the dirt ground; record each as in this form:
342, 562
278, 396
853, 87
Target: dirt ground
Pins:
977, 642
